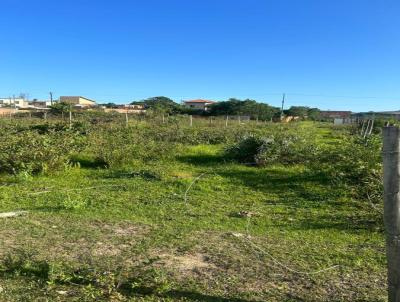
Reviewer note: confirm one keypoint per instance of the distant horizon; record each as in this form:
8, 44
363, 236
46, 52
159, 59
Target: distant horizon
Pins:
277, 103
337, 55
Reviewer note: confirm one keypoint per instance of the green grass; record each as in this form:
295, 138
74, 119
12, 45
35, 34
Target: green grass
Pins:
95, 234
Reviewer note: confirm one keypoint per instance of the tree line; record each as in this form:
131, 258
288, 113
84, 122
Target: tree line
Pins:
233, 106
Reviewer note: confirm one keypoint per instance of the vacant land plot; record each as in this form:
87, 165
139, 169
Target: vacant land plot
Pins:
167, 213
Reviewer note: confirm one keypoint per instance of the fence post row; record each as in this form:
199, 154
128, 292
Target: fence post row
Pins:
391, 167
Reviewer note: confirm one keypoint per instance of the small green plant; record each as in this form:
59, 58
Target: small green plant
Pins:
74, 203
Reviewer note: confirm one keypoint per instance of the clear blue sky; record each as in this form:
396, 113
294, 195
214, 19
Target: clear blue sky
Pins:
336, 54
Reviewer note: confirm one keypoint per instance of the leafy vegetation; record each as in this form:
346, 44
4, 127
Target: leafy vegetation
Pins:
154, 211
37, 149
160, 104
304, 112
234, 106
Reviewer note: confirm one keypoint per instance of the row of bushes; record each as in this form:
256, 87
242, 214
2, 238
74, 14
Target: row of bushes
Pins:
35, 148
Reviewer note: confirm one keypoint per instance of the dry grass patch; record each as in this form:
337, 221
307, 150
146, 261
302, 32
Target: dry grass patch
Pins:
67, 239
186, 263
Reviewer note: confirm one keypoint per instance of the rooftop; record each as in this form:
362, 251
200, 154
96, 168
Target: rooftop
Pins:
77, 96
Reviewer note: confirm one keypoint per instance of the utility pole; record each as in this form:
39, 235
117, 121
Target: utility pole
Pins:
283, 104
51, 98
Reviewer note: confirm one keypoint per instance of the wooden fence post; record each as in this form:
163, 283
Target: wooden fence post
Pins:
371, 128
366, 129
70, 118
191, 120
391, 167
226, 121
362, 127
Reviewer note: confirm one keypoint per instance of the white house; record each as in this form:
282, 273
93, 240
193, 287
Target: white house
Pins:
13, 102
199, 104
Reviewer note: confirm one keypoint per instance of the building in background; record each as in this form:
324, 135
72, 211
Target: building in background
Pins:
138, 108
13, 102
336, 114
389, 115
199, 104
395, 115
40, 104
77, 101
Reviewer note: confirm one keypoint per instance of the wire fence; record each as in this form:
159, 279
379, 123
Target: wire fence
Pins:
131, 118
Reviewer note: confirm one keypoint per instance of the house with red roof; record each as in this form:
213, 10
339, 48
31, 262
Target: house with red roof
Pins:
199, 104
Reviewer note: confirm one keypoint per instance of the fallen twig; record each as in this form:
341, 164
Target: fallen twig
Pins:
191, 184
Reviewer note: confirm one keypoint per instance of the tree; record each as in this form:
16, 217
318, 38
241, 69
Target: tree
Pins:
160, 104
249, 107
59, 108
300, 111
304, 112
314, 113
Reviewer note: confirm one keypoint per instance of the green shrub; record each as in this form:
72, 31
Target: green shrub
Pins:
31, 152
247, 149
285, 148
119, 147
355, 162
